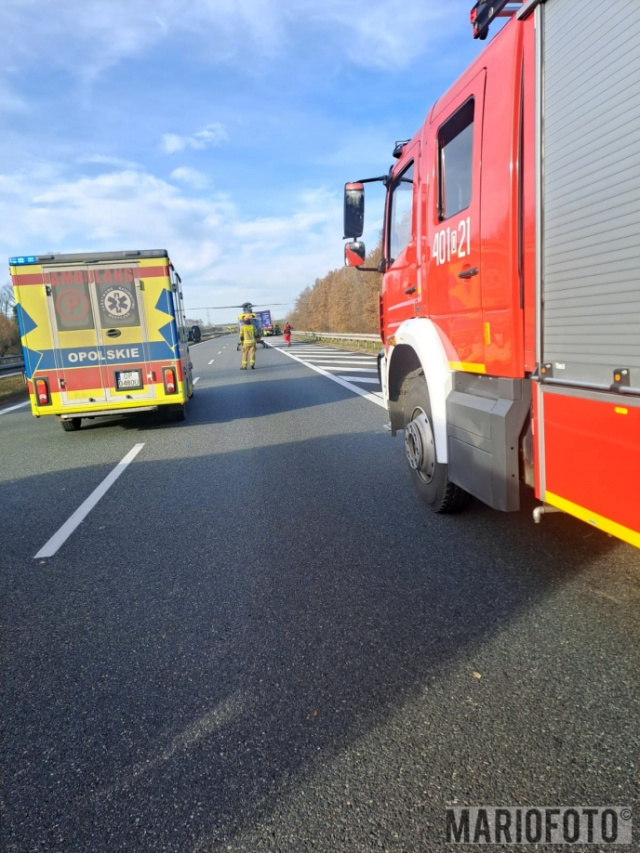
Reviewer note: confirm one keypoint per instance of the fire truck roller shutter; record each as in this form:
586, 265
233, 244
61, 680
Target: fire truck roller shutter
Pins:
591, 192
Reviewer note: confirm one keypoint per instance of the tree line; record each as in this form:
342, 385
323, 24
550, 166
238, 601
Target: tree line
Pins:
345, 300
9, 333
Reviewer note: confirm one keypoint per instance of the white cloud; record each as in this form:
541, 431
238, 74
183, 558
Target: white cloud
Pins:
213, 135
90, 37
221, 255
103, 160
192, 177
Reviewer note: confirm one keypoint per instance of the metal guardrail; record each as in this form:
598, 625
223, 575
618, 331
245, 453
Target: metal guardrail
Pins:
339, 336
11, 365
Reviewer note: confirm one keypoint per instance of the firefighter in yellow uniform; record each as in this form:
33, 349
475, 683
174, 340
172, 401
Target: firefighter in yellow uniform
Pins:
247, 337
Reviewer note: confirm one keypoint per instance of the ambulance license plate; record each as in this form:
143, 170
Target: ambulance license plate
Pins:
128, 379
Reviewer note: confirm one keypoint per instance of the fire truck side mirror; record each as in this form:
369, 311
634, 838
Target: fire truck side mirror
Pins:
353, 210
354, 253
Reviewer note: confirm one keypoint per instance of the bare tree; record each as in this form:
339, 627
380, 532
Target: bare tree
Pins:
345, 300
9, 336
7, 300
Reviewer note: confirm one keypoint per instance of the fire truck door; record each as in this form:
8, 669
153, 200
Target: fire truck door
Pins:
454, 269
400, 285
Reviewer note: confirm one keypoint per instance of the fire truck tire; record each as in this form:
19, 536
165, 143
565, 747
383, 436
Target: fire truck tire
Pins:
70, 424
430, 476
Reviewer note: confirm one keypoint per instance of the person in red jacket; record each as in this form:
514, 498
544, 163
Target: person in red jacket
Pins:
288, 328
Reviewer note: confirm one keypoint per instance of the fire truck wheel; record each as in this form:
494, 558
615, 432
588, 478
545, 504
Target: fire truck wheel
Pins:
70, 424
429, 475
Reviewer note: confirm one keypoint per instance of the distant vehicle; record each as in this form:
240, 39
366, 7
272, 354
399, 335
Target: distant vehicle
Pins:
102, 333
195, 334
257, 325
266, 322
260, 319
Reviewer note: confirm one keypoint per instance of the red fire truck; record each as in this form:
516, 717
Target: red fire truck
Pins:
510, 304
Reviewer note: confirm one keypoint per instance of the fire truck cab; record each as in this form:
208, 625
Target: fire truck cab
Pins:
510, 303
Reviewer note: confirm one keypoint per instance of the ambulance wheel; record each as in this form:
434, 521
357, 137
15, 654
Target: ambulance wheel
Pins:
70, 424
430, 476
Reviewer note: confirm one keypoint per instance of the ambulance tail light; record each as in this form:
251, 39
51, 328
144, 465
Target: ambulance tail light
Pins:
42, 392
170, 384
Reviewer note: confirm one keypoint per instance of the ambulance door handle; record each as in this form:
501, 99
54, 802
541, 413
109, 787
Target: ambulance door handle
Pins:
469, 273
410, 290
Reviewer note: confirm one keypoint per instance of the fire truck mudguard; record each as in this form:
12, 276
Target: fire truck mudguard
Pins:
486, 416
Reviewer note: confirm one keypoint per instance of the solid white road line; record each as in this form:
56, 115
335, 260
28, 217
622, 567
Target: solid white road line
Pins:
352, 369
60, 537
373, 398
322, 360
361, 379
13, 408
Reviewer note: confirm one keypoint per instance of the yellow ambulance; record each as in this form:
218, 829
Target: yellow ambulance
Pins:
102, 333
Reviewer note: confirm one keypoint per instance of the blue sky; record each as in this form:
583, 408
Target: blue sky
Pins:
221, 130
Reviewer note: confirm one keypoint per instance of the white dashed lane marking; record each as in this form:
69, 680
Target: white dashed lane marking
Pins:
60, 537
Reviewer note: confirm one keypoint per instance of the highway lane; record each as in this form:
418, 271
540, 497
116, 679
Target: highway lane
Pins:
258, 639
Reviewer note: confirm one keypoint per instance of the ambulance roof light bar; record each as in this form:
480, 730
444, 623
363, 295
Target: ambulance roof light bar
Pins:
485, 11
88, 257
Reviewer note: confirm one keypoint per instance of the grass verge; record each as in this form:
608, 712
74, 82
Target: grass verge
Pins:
12, 390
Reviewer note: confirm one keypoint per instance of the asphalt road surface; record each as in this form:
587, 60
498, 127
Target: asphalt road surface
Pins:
258, 639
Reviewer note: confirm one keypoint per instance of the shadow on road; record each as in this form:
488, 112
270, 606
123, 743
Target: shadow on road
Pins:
168, 676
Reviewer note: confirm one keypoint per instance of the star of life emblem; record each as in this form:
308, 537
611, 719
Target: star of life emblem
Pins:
117, 302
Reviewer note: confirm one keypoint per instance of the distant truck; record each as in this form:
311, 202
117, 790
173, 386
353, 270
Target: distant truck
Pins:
255, 322
102, 333
266, 322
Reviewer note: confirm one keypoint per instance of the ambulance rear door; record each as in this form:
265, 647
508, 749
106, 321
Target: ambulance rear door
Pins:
99, 332
72, 317
123, 332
